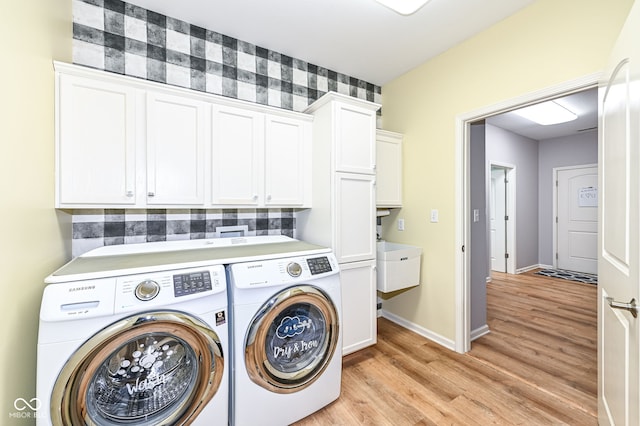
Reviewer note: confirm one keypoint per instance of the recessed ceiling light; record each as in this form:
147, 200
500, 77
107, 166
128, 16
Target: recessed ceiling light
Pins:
404, 7
547, 113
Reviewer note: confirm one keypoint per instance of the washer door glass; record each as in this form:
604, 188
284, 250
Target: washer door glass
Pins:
149, 369
292, 339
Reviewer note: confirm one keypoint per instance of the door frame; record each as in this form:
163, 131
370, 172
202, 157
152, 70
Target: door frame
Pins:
462, 191
555, 204
511, 210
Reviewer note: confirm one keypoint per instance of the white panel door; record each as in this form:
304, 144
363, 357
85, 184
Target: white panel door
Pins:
175, 150
577, 215
285, 161
358, 283
618, 249
355, 149
355, 217
497, 223
238, 140
95, 143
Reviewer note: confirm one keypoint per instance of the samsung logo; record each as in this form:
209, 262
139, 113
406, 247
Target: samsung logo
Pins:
254, 266
83, 288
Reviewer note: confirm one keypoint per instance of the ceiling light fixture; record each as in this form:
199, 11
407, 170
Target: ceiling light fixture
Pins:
547, 113
403, 7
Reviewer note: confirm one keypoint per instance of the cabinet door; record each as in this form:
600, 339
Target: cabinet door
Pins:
389, 169
358, 283
95, 146
355, 217
355, 139
175, 150
287, 145
238, 137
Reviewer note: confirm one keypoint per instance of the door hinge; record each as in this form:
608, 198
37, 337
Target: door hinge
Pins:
506, 217
556, 183
506, 255
556, 219
463, 249
556, 256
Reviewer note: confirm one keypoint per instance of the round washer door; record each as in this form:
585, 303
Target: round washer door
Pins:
291, 339
152, 368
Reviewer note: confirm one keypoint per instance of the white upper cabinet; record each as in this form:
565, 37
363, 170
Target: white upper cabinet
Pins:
355, 139
237, 145
176, 129
95, 143
287, 162
260, 159
389, 169
128, 143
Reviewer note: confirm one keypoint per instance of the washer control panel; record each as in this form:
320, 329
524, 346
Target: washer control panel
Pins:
319, 265
191, 283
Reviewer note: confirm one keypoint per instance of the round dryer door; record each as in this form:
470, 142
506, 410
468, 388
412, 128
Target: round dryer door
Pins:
291, 339
153, 368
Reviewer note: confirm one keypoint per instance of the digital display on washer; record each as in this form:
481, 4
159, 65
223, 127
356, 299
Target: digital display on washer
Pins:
319, 265
194, 282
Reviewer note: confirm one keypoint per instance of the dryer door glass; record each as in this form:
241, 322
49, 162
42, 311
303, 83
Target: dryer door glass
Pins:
292, 339
149, 369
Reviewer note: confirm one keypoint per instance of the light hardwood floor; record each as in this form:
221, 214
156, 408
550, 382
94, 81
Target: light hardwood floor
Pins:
536, 367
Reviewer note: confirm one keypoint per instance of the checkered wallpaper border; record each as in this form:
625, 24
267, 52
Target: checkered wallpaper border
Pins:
122, 38
97, 228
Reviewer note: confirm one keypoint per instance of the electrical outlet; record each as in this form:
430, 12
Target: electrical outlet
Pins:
400, 224
434, 216
476, 215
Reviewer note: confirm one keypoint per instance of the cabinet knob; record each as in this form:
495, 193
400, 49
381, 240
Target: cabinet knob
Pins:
129, 194
255, 198
151, 194
268, 197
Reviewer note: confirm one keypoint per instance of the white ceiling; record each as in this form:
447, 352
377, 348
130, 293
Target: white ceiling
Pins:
359, 38
584, 104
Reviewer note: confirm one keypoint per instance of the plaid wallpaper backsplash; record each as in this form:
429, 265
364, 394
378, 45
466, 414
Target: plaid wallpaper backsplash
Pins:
119, 37
122, 38
96, 228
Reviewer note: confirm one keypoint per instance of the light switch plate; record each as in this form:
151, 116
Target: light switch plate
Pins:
476, 215
434, 216
400, 224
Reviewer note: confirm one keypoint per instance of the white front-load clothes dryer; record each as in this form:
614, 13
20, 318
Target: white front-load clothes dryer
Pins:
134, 339
286, 339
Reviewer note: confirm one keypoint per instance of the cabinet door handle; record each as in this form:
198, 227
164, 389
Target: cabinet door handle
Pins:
151, 194
129, 194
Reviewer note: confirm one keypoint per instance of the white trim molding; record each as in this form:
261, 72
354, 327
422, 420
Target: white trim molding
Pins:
434, 337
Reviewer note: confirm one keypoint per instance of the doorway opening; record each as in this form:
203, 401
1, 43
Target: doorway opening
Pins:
463, 219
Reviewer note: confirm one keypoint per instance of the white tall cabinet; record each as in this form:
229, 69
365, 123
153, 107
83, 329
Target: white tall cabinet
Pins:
343, 215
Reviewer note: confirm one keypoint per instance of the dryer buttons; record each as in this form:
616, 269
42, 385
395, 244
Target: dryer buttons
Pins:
147, 290
294, 269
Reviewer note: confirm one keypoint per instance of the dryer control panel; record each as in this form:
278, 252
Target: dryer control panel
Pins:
290, 270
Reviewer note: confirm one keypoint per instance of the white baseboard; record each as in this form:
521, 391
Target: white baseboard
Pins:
435, 337
479, 332
532, 267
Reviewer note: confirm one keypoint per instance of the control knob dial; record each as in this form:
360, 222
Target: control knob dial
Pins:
147, 290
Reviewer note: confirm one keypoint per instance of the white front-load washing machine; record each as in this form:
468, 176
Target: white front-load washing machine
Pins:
134, 338
286, 339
